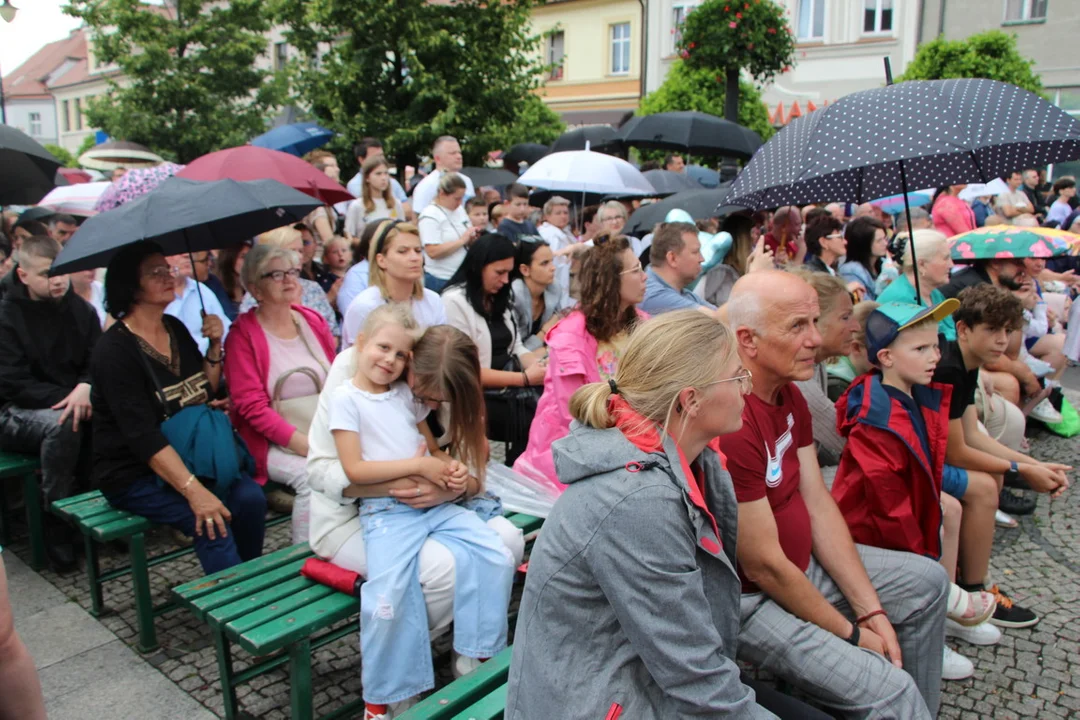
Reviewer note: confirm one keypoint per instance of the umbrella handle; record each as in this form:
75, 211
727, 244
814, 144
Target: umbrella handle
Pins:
907, 204
198, 289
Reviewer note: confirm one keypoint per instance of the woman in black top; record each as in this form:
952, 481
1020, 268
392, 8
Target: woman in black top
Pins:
134, 465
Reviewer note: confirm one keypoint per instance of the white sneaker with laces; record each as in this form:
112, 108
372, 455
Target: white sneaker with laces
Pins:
1045, 412
463, 665
955, 666
982, 634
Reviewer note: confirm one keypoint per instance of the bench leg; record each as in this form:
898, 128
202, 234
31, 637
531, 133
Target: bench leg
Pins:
300, 680
225, 672
34, 521
5, 518
93, 574
144, 603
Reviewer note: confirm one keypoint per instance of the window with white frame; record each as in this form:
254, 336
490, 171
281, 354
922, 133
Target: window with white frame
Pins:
1024, 10
620, 49
35, 124
556, 53
679, 11
877, 17
810, 20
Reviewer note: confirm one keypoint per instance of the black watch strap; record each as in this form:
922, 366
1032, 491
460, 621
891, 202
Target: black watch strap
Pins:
854, 639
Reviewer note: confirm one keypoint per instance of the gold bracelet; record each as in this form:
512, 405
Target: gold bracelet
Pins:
191, 479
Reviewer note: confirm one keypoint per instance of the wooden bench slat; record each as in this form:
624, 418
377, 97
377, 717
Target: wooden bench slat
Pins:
278, 608
490, 707
242, 606
463, 692
231, 593
298, 625
189, 592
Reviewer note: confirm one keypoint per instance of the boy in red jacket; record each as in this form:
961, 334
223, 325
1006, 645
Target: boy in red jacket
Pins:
896, 421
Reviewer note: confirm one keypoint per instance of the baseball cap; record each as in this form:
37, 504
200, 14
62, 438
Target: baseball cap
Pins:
888, 320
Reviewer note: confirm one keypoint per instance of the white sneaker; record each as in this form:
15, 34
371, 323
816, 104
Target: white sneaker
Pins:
1005, 521
955, 666
463, 665
982, 634
1045, 412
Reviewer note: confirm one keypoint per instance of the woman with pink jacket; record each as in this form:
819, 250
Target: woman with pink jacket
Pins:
585, 346
951, 215
279, 347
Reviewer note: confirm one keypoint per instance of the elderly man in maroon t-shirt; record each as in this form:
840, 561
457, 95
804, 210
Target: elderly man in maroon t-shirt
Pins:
811, 597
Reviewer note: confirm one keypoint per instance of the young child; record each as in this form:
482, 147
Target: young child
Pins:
380, 432
477, 209
986, 316
889, 483
516, 222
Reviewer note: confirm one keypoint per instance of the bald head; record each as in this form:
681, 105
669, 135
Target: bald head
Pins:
836, 210
757, 298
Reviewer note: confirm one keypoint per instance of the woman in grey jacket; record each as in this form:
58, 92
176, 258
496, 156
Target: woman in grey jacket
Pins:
632, 600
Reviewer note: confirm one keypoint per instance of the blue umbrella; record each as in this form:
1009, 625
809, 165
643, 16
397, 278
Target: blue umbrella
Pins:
706, 177
296, 139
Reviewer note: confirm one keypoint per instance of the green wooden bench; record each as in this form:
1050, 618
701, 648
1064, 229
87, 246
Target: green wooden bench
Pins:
24, 468
480, 695
267, 608
99, 522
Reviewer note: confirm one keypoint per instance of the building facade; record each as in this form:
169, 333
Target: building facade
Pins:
28, 100
595, 50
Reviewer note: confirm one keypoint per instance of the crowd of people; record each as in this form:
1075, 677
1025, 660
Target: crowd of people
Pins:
791, 459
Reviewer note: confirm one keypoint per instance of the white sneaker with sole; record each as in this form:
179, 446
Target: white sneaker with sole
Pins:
982, 634
463, 665
1045, 412
1004, 521
955, 666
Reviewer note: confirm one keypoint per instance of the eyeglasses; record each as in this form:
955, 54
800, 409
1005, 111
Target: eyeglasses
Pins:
634, 270
745, 380
834, 236
279, 275
162, 272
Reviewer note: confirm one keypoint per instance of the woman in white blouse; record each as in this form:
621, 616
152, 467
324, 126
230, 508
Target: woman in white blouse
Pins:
376, 201
445, 232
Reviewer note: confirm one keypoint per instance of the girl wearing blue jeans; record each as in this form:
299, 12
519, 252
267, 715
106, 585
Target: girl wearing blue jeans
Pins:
381, 434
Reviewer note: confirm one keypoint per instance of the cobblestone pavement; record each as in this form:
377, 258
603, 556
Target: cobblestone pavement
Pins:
1030, 673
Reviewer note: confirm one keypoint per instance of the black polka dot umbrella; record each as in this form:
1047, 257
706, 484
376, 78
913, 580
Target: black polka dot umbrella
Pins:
934, 132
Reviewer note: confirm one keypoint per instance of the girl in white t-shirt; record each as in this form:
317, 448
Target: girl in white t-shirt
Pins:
380, 432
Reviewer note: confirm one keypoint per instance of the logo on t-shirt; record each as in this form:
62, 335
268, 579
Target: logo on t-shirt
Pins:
774, 469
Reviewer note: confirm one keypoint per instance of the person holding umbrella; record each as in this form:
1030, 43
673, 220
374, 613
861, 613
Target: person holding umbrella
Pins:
194, 299
145, 372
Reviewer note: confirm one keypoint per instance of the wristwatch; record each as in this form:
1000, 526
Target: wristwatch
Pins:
1013, 473
854, 639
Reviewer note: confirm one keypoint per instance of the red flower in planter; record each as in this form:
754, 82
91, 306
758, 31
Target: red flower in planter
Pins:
733, 24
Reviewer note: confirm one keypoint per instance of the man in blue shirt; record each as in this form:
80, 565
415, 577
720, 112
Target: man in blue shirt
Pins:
187, 307
674, 263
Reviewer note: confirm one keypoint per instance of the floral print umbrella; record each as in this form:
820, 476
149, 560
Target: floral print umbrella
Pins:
1005, 241
135, 183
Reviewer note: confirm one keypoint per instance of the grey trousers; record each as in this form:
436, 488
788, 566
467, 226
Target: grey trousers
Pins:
859, 683
38, 432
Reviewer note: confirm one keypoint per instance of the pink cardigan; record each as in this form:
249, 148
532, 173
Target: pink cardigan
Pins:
247, 370
571, 364
952, 216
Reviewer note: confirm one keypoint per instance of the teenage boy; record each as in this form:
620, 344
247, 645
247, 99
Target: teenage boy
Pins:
477, 210
516, 225
889, 483
986, 316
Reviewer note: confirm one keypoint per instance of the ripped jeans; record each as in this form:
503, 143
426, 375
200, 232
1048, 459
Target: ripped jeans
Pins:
394, 639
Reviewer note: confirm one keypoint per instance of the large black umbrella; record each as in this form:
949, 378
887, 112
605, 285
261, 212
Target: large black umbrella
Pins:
489, 177
700, 203
184, 216
527, 153
27, 170
693, 132
669, 183
599, 137
943, 132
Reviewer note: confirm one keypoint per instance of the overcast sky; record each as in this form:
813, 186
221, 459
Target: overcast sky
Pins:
38, 23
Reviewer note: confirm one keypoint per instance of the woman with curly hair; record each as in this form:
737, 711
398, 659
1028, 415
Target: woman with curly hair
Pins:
586, 345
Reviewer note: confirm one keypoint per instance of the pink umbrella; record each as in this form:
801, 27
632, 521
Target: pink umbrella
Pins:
135, 183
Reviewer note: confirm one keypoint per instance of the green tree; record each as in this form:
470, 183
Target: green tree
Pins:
726, 37
686, 88
991, 55
410, 71
62, 154
190, 81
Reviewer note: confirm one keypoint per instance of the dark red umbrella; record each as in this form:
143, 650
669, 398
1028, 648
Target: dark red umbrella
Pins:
75, 176
249, 162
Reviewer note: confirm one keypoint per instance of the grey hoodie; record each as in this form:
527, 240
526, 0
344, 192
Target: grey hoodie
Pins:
630, 599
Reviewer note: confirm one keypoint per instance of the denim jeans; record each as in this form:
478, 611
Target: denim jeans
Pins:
394, 639
433, 283
39, 432
160, 503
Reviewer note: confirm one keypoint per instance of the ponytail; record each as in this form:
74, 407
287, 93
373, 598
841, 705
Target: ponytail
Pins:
589, 405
